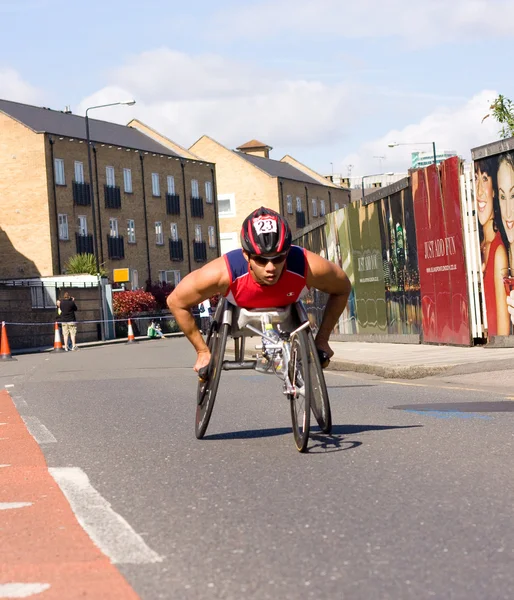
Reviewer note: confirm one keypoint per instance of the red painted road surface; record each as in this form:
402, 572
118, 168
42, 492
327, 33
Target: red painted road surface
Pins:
43, 543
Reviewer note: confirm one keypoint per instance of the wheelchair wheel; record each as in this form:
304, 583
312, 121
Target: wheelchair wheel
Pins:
320, 403
299, 376
206, 393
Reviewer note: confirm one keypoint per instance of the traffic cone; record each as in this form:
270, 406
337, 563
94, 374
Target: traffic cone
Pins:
131, 338
57, 339
5, 350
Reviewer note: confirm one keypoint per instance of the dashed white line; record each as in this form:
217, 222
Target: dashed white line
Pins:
108, 530
22, 590
3, 466
13, 505
9, 385
38, 431
19, 402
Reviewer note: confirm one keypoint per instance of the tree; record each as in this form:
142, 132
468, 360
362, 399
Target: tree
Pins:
502, 110
83, 264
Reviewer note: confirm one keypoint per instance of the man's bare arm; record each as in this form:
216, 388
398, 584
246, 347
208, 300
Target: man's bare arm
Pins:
327, 277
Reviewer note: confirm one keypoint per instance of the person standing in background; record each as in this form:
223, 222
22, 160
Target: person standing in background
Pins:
205, 315
67, 308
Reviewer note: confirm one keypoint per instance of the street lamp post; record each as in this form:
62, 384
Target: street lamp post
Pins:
90, 168
375, 175
394, 144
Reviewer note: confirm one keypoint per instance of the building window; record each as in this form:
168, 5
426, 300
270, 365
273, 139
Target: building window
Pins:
156, 188
198, 233
227, 205
79, 172
208, 192
289, 202
174, 232
134, 279
109, 176
59, 171
194, 188
127, 181
212, 237
336, 206
171, 185
314, 207
82, 224
298, 204
172, 277
113, 227
159, 237
131, 231
43, 295
322, 208
63, 227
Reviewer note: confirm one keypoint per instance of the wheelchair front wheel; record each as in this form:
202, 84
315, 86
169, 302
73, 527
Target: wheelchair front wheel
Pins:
320, 403
300, 397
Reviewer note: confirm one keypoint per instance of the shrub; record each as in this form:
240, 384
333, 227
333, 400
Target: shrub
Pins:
128, 304
160, 290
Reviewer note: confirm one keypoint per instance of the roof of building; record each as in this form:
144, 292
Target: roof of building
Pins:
46, 120
276, 168
252, 144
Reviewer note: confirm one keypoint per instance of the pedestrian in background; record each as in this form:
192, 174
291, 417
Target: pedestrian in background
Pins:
66, 307
205, 316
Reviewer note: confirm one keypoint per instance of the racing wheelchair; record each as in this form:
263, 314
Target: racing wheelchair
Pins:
287, 349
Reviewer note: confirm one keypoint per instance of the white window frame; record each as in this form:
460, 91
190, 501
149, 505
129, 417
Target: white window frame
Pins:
194, 188
298, 204
134, 279
314, 207
174, 232
82, 224
208, 192
170, 182
59, 175
43, 295
173, 275
322, 210
64, 232
113, 227
159, 235
336, 205
131, 231
211, 234
232, 205
127, 181
110, 177
289, 203
156, 185
198, 234
79, 171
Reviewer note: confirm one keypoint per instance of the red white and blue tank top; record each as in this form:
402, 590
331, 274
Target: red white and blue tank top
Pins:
244, 291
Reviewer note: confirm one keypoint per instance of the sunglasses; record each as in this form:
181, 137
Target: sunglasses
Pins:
264, 260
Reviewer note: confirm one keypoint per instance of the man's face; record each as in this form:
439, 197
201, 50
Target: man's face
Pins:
266, 268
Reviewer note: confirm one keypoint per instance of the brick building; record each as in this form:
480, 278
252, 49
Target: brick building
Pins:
247, 178
155, 203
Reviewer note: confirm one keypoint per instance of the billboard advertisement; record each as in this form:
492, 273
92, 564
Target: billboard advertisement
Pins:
442, 268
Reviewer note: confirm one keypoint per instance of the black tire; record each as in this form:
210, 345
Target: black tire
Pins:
206, 393
299, 375
320, 403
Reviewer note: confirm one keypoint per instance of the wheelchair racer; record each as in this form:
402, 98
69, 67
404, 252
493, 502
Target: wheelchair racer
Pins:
267, 272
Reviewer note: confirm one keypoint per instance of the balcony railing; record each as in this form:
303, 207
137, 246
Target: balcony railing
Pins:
81, 195
300, 219
196, 207
112, 196
84, 243
176, 250
200, 251
173, 204
115, 247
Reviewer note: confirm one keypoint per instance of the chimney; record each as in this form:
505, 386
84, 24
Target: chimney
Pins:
67, 110
255, 148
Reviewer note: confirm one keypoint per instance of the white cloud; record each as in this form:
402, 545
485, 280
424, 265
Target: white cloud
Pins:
458, 129
12, 87
421, 23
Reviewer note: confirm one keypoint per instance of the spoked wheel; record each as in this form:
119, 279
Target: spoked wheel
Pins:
320, 403
299, 377
206, 393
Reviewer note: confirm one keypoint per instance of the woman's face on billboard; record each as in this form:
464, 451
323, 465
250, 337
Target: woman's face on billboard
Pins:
485, 195
506, 196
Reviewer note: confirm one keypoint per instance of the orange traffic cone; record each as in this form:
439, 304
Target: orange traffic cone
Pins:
5, 350
131, 338
57, 339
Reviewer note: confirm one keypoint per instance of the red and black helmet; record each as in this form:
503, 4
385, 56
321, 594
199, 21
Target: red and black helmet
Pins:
265, 231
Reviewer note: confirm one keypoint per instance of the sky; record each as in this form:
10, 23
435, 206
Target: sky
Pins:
330, 82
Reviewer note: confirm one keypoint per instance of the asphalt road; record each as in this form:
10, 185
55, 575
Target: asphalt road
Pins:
395, 504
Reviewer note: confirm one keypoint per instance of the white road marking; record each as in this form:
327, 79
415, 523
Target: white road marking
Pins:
108, 530
9, 385
1, 466
19, 402
22, 590
12, 505
38, 431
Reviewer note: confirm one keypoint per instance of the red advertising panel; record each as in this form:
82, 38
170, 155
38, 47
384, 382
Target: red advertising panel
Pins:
442, 268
